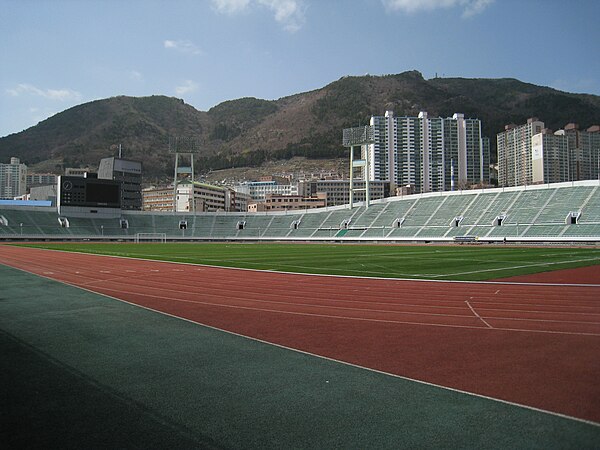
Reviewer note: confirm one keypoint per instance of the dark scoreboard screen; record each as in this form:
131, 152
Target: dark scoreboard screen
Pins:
89, 192
101, 193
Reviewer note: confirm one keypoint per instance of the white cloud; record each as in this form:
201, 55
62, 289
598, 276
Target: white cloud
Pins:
230, 6
475, 7
187, 87
182, 46
50, 94
135, 75
470, 7
288, 13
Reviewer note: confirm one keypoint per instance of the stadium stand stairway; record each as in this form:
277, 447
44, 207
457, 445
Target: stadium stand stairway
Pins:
546, 212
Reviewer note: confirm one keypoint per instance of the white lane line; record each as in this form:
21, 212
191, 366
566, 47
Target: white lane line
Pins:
426, 383
477, 315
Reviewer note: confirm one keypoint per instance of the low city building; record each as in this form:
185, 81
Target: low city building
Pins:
277, 202
77, 171
338, 191
257, 191
44, 193
208, 198
157, 199
41, 179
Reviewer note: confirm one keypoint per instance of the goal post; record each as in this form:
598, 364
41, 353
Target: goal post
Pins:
150, 237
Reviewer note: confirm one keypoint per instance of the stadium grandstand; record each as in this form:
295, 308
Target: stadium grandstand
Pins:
563, 212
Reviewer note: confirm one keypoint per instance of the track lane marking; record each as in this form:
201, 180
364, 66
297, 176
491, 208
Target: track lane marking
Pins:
162, 297
477, 315
426, 383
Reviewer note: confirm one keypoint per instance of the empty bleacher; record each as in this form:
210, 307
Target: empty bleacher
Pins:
563, 212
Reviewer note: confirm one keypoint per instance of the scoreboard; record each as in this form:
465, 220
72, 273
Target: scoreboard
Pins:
88, 192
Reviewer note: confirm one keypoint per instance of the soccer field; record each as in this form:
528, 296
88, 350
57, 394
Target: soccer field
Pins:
469, 263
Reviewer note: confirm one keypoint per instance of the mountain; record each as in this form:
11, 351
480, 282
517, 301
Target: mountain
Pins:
249, 131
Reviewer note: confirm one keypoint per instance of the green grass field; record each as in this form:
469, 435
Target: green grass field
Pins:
469, 263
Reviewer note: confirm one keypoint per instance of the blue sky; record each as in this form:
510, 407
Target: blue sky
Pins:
60, 53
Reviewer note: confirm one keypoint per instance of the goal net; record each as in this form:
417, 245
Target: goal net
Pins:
150, 237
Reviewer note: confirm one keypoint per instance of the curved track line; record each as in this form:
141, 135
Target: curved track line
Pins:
296, 350
525, 368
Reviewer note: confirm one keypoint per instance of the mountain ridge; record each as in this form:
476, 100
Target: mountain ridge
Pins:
248, 131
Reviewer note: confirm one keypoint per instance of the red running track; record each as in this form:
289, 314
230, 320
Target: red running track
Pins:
537, 345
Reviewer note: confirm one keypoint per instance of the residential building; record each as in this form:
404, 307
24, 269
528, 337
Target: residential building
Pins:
258, 190
531, 154
13, 179
428, 153
515, 151
41, 179
278, 202
157, 198
584, 152
338, 191
549, 157
207, 198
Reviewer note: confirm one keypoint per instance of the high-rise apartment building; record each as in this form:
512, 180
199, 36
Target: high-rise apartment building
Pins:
584, 152
514, 153
532, 154
13, 179
549, 157
429, 154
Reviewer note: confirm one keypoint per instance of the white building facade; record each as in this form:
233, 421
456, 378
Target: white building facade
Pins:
549, 157
13, 179
207, 198
429, 154
257, 191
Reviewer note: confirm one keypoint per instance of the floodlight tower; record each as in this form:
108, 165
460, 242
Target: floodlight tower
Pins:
184, 149
359, 137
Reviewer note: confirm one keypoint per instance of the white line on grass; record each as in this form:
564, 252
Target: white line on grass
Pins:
408, 277
523, 266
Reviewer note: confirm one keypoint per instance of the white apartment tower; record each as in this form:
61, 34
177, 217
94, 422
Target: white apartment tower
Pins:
514, 153
430, 154
13, 179
549, 157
